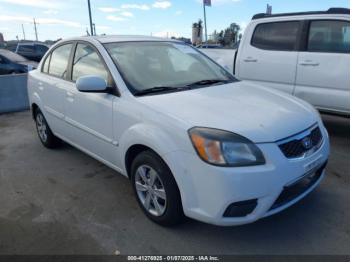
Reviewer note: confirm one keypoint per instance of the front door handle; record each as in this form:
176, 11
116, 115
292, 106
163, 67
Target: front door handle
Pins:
309, 63
250, 60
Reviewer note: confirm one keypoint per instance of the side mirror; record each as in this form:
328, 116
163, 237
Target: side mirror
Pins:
91, 84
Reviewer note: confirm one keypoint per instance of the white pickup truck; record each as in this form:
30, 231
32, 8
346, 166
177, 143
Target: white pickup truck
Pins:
304, 54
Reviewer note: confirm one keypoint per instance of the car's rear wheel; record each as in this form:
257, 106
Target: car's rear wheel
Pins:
47, 138
156, 189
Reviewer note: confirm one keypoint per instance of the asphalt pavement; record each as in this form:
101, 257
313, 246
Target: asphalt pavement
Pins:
64, 202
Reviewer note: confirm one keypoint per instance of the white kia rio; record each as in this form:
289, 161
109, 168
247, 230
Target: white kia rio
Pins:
193, 140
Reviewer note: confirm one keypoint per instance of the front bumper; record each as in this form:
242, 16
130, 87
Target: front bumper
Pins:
207, 191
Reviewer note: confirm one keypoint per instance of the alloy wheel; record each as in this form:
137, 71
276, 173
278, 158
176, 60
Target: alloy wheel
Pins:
42, 127
150, 190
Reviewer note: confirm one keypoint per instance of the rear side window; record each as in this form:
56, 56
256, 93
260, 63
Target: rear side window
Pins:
26, 48
41, 48
88, 62
59, 61
329, 36
280, 36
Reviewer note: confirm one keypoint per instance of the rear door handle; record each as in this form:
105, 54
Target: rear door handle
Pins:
309, 63
250, 60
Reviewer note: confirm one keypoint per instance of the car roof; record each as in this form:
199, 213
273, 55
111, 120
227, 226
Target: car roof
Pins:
122, 38
332, 11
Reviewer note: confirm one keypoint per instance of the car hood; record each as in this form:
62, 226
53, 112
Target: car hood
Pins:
260, 114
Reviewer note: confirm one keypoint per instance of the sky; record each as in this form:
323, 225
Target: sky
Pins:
62, 19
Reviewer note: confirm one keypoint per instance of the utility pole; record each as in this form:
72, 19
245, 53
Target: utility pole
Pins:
206, 3
205, 24
91, 27
94, 26
35, 29
24, 33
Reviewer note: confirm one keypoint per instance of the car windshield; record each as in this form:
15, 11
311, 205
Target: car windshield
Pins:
13, 56
159, 65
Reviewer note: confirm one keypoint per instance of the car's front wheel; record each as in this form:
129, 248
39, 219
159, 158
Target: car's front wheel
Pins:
156, 189
47, 138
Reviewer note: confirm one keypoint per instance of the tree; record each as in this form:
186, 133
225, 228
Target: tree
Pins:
231, 34
235, 28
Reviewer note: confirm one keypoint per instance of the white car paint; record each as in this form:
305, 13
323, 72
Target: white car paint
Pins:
317, 77
105, 126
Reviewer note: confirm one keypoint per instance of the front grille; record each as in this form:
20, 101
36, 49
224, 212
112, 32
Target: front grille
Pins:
302, 144
291, 192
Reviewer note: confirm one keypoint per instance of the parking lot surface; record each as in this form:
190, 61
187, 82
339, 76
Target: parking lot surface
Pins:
64, 202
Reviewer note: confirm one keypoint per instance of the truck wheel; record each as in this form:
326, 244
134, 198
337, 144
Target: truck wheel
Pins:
156, 190
47, 138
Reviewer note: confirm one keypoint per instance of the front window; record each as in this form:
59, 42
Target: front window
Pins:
87, 62
278, 36
152, 65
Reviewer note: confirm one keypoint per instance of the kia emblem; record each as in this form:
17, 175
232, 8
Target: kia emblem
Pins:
306, 142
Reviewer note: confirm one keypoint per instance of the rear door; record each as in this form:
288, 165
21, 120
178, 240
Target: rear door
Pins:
50, 86
323, 77
270, 56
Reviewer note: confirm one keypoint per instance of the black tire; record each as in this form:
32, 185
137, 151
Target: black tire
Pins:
173, 213
51, 141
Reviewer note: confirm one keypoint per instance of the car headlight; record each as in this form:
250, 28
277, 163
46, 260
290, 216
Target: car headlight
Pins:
223, 148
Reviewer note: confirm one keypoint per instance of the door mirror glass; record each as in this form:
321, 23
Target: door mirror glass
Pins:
91, 84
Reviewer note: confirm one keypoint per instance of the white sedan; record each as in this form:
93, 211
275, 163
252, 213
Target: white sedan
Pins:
192, 139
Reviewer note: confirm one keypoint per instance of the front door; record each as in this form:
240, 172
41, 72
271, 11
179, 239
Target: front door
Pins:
89, 116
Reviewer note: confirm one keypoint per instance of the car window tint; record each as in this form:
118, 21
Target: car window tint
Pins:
59, 61
87, 62
46, 64
2, 61
329, 36
279, 36
41, 48
26, 48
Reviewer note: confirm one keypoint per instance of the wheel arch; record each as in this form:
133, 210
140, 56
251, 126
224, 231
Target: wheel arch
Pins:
141, 137
35, 103
34, 107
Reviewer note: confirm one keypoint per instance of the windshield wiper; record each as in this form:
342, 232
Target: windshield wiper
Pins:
208, 82
157, 89
160, 89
